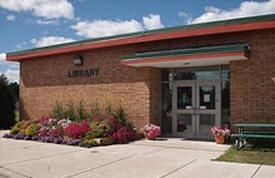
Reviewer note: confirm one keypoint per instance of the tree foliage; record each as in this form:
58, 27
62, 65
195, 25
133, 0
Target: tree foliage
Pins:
7, 104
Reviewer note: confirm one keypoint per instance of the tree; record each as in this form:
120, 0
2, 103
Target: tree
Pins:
15, 89
7, 104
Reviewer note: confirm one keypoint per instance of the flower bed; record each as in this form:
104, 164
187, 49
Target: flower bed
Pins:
85, 131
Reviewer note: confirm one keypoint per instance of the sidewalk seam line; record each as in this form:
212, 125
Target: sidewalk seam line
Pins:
175, 170
256, 171
16, 172
38, 158
102, 165
171, 147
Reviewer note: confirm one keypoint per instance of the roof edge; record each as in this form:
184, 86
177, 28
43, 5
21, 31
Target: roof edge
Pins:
244, 20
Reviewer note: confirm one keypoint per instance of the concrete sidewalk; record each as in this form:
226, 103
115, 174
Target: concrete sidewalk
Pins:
166, 158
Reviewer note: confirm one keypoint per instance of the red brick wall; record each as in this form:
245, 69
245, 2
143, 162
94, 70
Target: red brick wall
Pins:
252, 89
45, 81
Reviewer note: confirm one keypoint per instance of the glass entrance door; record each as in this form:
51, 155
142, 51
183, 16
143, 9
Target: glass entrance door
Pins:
196, 108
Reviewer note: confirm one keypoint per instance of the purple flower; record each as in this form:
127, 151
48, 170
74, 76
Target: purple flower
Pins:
69, 142
45, 139
76, 141
27, 138
35, 137
84, 144
49, 139
19, 136
57, 140
6, 135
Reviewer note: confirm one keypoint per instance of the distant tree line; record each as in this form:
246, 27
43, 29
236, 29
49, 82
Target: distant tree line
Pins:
9, 95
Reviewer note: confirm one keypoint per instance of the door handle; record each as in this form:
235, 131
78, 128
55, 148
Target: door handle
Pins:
189, 107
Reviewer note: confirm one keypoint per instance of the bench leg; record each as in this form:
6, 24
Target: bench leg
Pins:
239, 143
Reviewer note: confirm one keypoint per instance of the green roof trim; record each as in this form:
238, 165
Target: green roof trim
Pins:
190, 51
149, 32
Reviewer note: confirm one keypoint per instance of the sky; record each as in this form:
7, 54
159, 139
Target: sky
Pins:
26, 24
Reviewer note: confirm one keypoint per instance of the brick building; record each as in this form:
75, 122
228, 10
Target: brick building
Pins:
186, 79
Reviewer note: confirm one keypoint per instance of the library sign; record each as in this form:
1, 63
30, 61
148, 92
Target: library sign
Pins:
79, 73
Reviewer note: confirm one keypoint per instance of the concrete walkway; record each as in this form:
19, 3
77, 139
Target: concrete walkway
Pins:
164, 158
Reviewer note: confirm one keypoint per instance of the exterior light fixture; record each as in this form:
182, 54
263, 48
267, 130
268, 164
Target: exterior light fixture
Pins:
78, 60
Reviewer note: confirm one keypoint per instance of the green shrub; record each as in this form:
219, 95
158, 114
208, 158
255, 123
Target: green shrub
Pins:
89, 135
95, 110
7, 104
70, 112
32, 129
91, 142
17, 127
108, 111
58, 111
122, 118
101, 128
81, 112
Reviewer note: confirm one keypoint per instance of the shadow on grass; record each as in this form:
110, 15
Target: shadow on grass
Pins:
255, 152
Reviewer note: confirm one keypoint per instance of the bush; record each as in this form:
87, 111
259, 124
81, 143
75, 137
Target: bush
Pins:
17, 127
77, 130
101, 128
60, 130
70, 112
32, 130
88, 143
81, 112
7, 104
122, 119
89, 135
57, 132
58, 111
124, 135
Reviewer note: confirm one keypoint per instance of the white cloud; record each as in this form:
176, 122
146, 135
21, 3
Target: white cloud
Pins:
152, 22
21, 45
187, 17
50, 40
49, 9
10, 17
12, 75
2, 57
247, 8
101, 28
3, 61
47, 22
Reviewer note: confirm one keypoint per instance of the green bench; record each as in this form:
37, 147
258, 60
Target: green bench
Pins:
243, 133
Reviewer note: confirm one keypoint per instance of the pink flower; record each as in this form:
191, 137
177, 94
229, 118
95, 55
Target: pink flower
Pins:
218, 130
151, 130
77, 130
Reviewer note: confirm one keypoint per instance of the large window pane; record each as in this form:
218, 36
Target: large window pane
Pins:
184, 123
207, 97
184, 97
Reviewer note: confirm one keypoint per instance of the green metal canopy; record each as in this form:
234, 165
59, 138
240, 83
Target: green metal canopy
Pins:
153, 58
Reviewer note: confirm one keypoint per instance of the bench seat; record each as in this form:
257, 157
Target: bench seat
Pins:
253, 135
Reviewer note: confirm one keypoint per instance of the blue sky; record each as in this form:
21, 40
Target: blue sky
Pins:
27, 24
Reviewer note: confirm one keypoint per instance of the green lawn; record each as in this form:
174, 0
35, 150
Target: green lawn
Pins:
255, 154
